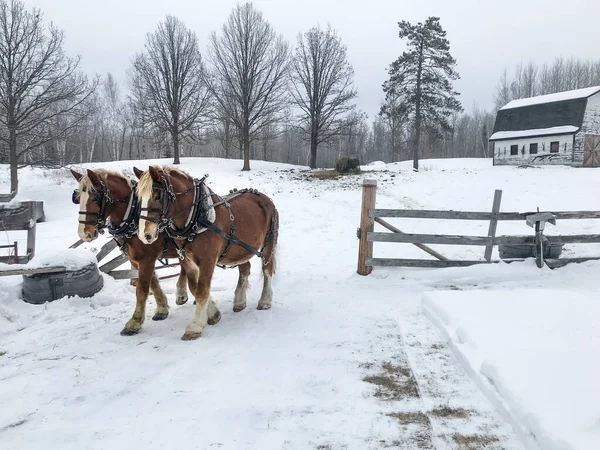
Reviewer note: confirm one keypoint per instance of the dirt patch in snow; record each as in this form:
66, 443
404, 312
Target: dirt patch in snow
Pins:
394, 382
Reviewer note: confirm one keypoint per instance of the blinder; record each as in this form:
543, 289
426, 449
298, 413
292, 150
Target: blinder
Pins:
75, 196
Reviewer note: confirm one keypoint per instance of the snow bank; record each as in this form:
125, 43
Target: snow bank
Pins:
537, 351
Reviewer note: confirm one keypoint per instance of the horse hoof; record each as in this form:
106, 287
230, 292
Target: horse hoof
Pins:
190, 335
182, 300
129, 331
238, 308
263, 306
160, 315
214, 319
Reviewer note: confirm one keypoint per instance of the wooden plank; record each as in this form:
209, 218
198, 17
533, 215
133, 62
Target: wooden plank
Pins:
478, 240
77, 244
556, 263
123, 274
408, 238
473, 215
575, 239
423, 247
114, 263
55, 269
493, 225
106, 249
423, 263
365, 246
11, 260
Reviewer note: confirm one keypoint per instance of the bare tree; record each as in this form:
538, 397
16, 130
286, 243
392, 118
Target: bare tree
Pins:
167, 82
322, 86
250, 65
115, 125
37, 82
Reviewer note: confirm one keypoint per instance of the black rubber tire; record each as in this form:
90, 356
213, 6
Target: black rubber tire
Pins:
46, 287
551, 251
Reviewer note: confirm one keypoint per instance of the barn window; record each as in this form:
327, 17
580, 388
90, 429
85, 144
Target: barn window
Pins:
533, 149
554, 147
514, 150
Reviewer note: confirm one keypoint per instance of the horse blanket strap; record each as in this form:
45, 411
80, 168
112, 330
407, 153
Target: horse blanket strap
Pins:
231, 238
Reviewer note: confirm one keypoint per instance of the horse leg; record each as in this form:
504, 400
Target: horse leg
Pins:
181, 295
201, 291
214, 315
268, 269
239, 300
162, 304
145, 273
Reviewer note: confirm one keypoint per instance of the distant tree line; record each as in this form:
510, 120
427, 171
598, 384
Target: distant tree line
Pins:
251, 95
529, 80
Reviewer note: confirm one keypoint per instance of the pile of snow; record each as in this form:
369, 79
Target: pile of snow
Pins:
535, 351
71, 258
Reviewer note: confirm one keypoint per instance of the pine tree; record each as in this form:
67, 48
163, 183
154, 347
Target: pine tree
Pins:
422, 77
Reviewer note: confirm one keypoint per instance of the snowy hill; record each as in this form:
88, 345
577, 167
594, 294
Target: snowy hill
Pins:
292, 377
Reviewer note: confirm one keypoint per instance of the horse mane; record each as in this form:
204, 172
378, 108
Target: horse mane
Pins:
103, 174
145, 184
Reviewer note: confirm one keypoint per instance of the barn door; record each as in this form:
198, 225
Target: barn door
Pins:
591, 154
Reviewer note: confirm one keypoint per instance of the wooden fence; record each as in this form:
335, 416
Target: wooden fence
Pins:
110, 266
371, 215
21, 217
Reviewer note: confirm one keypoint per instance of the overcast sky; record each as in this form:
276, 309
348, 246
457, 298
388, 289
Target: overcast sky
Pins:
485, 36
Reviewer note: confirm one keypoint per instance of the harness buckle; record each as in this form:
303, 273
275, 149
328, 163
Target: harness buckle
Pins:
181, 253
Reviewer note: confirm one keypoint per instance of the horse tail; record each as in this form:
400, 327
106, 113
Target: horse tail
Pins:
272, 244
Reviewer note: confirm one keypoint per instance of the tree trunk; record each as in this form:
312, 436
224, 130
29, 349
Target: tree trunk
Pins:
312, 162
417, 140
14, 179
246, 138
175, 135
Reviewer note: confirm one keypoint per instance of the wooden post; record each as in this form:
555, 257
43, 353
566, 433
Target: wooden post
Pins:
31, 240
493, 225
365, 248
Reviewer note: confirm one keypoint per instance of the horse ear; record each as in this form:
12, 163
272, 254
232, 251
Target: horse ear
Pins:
154, 173
96, 181
138, 172
78, 176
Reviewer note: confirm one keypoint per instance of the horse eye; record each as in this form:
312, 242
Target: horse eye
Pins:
156, 197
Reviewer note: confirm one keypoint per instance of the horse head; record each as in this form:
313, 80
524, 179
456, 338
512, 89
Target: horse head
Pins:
101, 194
165, 195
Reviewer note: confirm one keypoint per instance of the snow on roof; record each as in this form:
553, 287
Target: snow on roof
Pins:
550, 98
567, 129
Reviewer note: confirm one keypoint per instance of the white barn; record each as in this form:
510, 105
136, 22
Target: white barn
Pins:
562, 128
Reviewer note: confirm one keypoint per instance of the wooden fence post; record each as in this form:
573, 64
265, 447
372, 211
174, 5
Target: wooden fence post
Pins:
493, 224
365, 248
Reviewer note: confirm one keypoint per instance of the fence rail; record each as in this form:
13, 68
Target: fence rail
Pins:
371, 215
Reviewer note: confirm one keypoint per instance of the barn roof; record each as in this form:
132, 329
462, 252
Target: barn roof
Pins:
551, 98
537, 116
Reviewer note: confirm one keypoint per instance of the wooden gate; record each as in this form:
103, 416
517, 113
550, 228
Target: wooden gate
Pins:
591, 155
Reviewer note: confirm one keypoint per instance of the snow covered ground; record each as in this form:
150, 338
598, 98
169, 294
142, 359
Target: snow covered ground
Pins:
340, 362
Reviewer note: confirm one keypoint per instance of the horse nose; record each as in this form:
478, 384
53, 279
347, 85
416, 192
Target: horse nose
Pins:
148, 237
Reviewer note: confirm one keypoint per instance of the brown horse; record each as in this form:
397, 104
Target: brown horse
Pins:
108, 201
209, 230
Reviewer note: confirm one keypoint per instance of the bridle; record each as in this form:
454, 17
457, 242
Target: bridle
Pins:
168, 197
104, 199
